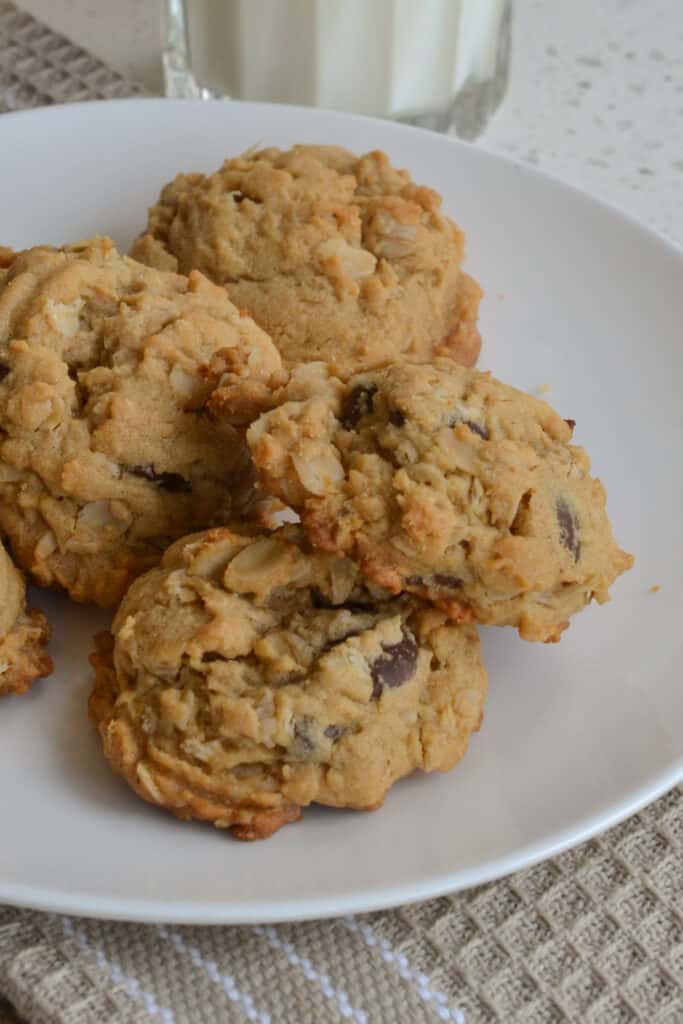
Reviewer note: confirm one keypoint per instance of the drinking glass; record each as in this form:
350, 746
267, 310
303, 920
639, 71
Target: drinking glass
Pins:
440, 64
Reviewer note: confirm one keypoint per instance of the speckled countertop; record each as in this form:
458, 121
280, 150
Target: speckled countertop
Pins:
595, 97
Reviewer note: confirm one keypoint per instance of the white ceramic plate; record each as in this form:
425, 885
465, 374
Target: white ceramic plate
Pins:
577, 735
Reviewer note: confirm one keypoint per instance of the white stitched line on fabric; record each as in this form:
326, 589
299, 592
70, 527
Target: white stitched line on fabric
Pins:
323, 982
210, 968
417, 979
129, 984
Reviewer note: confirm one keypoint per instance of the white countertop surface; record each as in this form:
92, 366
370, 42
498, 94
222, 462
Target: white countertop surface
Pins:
595, 97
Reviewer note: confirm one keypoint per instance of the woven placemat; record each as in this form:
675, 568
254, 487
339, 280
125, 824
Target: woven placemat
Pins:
593, 936
38, 67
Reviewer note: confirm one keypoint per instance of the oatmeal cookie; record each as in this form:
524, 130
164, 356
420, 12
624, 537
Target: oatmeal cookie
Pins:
249, 676
107, 451
23, 634
340, 258
446, 483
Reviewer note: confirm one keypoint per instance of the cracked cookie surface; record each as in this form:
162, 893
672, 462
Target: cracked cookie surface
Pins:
107, 450
339, 257
23, 633
249, 676
446, 483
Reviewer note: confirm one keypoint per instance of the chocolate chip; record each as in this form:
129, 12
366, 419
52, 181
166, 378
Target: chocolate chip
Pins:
174, 483
334, 732
569, 528
570, 423
238, 196
4, 370
318, 599
358, 403
397, 418
478, 428
210, 656
356, 607
303, 744
322, 603
443, 579
440, 579
396, 665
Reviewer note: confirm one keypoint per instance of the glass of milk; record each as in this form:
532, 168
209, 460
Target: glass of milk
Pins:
440, 64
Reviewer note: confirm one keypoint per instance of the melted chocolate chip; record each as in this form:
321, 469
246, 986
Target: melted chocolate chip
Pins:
358, 403
238, 196
356, 607
397, 418
396, 665
569, 528
444, 579
4, 370
318, 600
210, 656
478, 428
334, 732
174, 483
570, 423
304, 743
440, 579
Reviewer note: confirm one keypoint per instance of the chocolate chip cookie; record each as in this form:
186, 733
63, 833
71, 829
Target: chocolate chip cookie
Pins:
249, 676
339, 257
23, 634
107, 450
446, 483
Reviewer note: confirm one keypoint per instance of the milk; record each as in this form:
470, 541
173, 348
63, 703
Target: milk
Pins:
382, 57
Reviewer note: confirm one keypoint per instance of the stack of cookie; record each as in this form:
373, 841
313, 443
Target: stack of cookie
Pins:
303, 398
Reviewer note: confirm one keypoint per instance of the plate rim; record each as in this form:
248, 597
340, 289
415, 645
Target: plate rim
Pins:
198, 912
450, 140
189, 912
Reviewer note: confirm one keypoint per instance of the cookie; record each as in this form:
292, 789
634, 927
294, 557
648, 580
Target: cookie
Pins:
338, 257
446, 483
107, 450
23, 634
249, 676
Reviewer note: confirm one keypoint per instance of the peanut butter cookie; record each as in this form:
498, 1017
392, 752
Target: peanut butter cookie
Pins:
249, 676
107, 450
23, 634
339, 257
446, 483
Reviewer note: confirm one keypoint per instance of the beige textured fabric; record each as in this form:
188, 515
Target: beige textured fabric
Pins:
38, 67
594, 936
